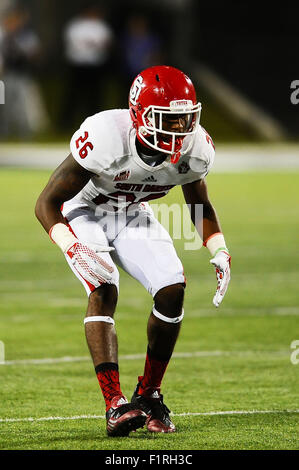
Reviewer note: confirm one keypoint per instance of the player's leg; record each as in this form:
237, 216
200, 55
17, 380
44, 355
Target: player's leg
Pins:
101, 338
151, 258
162, 331
163, 328
99, 324
100, 331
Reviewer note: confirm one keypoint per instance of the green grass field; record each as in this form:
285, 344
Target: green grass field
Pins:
238, 355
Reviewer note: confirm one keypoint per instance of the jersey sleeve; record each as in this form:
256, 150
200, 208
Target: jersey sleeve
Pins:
209, 155
203, 154
85, 144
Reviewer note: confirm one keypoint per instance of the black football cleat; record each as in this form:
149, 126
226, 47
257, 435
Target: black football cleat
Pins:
123, 417
158, 419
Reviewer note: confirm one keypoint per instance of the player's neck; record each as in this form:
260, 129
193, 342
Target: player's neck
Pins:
150, 156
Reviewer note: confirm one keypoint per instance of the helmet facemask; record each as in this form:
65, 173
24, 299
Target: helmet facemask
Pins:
182, 116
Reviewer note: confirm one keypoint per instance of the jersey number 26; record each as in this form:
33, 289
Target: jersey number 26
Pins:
83, 152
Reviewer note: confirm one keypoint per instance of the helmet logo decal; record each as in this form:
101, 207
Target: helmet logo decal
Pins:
182, 105
136, 89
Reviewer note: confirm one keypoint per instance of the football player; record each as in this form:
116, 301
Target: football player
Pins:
119, 160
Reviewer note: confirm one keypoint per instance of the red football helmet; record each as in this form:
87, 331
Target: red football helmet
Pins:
164, 109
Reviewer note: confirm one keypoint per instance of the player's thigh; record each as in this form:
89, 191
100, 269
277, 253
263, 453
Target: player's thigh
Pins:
86, 225
145, 251
87, 228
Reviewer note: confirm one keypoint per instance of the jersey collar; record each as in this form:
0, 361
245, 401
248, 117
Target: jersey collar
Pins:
138, 160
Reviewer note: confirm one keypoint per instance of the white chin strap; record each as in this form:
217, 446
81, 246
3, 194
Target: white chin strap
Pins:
99, 318
168, 319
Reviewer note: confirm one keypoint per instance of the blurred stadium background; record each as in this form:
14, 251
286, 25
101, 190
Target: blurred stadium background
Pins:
243, 61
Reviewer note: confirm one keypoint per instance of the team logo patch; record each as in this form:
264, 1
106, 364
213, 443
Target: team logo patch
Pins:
122, 176
183, 168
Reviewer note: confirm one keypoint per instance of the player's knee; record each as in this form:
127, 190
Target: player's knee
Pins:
169, 300
103, 300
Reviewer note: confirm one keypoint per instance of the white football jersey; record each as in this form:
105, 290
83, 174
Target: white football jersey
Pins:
105, 145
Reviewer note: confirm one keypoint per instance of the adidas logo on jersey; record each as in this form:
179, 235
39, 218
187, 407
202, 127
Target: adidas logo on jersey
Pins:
149, 178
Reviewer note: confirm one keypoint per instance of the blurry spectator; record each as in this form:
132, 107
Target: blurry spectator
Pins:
23, 112
141, 47
87, 39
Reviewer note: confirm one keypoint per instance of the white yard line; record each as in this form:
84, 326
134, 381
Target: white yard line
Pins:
236, 412
32, 284
177, 355
244, 312
207, 413
229, 157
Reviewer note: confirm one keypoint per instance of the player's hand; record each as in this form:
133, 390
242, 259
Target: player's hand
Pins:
89, 264
221, 261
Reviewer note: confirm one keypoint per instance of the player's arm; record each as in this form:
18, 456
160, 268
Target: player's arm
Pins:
197, 193
208, 227
66, 181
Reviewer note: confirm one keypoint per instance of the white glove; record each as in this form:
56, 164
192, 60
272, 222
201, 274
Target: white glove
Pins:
85, 259
89, 264
221, 261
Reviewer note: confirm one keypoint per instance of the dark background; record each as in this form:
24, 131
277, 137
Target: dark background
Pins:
252, 45
256, 47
